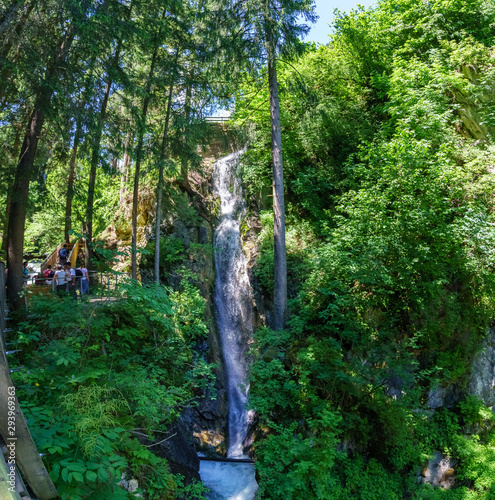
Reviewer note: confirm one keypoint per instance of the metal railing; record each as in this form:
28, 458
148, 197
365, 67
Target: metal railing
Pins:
102, 285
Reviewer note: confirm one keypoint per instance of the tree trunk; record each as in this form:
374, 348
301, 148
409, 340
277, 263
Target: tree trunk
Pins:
184, 162
10, 185
75, 146
70, 183
159, 189
280, 277
95, 157
5, 234
125, 168
139, 150
25, 167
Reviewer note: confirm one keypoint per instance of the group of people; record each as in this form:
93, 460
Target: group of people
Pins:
64, 278
67, 279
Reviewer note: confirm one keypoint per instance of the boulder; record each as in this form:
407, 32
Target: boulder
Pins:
179, 450
482, 380
440, 471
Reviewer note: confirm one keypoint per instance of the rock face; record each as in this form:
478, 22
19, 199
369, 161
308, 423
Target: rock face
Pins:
482, 380
445, 397
179, 450
118, 235
474, 124
439, 471
249, 238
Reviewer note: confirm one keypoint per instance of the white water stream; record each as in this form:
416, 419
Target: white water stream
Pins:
233, 300
228, 481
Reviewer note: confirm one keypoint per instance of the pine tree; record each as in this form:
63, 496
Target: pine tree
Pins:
269, 28
25, 166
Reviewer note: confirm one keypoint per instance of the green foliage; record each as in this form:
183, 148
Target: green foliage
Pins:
388, 153
95, 373
171, 253
298, 239
96, 408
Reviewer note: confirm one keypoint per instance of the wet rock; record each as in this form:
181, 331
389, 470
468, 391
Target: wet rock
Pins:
203, 237
209, 421
179, 450
482, 380
440, 471
130, 485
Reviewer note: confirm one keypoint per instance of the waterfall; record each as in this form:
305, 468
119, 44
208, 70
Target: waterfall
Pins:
233, 297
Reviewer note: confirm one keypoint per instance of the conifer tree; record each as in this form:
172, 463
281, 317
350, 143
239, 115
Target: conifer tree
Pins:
75, 146
159, 189
25, 166
112, 70
276, 24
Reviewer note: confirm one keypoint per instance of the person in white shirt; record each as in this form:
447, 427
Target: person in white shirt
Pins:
59, 279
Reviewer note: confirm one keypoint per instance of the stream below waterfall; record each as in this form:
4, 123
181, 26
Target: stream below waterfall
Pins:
234, 315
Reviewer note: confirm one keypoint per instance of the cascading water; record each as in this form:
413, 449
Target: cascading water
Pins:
233, 300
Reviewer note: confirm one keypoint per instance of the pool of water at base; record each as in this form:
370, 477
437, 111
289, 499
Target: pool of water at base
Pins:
228, 480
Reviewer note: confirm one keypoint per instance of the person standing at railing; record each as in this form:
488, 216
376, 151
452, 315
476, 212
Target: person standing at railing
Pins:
83, 276
59, 279
48, 274
25, 272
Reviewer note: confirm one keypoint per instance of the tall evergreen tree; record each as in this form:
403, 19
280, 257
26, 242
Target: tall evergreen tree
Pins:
137, 171
75, 146
277, 24
159, 189
25, 166
112, 70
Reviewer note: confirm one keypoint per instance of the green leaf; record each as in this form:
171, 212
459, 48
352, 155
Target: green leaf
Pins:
76, 467
103, 474
55, 472
91, 476
65, 474
78, 476
55, 449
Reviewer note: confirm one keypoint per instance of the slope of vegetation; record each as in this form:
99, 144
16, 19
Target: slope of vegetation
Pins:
101, 383
389, 160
